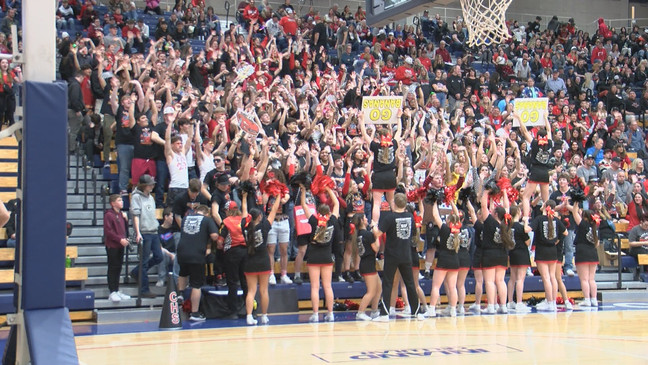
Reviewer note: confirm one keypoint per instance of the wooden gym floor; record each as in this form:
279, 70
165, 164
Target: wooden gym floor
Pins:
606, 336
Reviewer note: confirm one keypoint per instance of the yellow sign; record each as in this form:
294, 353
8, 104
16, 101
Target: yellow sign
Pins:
381, 109
532, 111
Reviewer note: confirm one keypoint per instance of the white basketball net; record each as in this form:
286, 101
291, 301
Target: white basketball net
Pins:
486, 21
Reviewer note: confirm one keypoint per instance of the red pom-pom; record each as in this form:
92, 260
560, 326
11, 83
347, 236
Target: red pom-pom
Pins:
450, 192
321, 182
399, 303
273, 187
560, 300
416, 194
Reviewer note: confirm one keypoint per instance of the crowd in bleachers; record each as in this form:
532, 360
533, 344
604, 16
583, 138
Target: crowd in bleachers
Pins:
277, 94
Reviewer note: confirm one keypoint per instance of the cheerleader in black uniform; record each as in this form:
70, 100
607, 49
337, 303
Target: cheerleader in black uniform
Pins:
302, 240
477, 269
416, 261
367, 248
539, 157
354, 197
548, 232
255, 228
320, 258
586, 257
464, 257
497, 239
519, 261
447, 266
383, 179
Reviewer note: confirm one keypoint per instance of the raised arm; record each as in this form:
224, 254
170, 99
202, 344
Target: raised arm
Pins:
336, 203
436, 217
576, 213
307, 211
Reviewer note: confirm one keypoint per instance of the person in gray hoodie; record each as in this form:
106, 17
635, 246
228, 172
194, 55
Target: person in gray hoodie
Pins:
145, 225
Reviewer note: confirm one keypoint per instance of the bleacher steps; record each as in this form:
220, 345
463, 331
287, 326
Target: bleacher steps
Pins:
623, 296
611, 285
124, 315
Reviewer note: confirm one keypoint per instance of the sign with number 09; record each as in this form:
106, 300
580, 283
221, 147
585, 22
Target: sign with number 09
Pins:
381, 109
532, 111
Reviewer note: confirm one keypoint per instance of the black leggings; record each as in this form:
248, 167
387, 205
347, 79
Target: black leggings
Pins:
115, 260
389, 271
235, 259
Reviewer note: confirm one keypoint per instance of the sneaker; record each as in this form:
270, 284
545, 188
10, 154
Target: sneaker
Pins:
511, 306
264, 319
392, 311
250, 320
348, 278
430, 313
521, 307
585, 303
329, 317
461, 310
115, 297
490, 309
356, 275
314, 318
426, 275
568, 305
420, 276
407, 310
375, 314
197, 317
570, 272
553, 307
106, 165
363, 316
298, 280
445, 311
285, 279
502, 309
340, 279
475, 308
420, 317
160, 283
453, 311
123, 296
594, 302
272, 280
543, 306
381, 319
180, 300
529, 272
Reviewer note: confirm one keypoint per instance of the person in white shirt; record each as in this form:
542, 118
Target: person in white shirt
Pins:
175, 152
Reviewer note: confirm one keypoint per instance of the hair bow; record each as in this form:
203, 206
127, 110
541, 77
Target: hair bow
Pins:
543, 141
418, 220
550, 211
351, 228
596, 218
507, 218
248, 220
455, 227
322, 220
386, 141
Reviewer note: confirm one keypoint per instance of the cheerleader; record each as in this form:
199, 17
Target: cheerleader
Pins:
447, 268
257, 266
519, 261
548, 232
416, 262
539, 157
464, 257
367, 248
496, 240
586, 257
320, 260
354, 197
383, 179
477, 268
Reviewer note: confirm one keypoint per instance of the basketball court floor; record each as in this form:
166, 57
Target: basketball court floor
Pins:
615, 334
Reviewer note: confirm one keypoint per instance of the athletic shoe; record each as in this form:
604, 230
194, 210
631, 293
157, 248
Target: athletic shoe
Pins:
570, 272
594, 302
375, 314
568, 305
314, 318
348, 278
461, 310
502, 309
123, 296
115, 297
529, 272
553, 307
407, 310
420, 317
475, 308
421, 277
250, 320
445, 311
430, 313
521, 307
180, 300
490, 309
285, 279
264, 319
298, 280
329, 317
585, 303
426, 275
197, 317
511, 306
381, 319
340, 279
160, 283
543, 306
272, 280
363, 316
392, 311
356, 275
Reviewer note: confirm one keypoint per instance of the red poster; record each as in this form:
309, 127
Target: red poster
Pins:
301, 222
247, 124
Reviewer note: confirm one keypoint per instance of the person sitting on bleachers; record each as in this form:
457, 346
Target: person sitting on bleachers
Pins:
64, 17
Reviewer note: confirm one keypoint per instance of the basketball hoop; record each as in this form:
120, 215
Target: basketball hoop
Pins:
486, 21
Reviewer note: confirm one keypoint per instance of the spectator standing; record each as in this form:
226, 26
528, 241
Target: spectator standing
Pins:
76, 110
116, 239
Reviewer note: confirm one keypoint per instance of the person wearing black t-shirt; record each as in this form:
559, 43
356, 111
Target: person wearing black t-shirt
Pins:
124, 138
144, 152
398, 225
586, 242
186, 203
257, 266
539, 166
161, 167
368, 246
320, 258
519, 261
198, 230
383, 179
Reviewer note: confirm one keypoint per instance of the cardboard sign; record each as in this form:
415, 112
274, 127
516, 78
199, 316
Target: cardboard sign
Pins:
301, 222
243, 72
381, 109
246, 123
532, 111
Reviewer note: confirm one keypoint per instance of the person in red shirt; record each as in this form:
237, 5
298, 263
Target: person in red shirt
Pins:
389, 71
86, 90
425, 61
598, 52
406, 73
546, 60
251, 14
443, 52
288, 24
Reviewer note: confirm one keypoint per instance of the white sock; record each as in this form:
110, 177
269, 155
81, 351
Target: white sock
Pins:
428, 265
